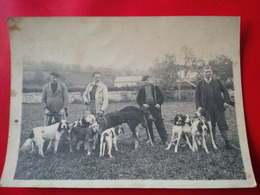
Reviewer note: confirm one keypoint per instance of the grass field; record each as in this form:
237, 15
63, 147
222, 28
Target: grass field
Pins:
144, 163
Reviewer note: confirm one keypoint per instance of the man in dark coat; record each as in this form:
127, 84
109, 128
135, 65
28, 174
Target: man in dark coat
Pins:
150, 97
212, 95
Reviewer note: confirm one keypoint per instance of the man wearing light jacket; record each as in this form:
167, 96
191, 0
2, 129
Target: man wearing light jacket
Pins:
95, 96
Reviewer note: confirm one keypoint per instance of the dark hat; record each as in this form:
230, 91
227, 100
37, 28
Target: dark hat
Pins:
145, 77
55, 74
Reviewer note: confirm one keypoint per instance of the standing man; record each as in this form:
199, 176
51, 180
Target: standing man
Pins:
150, 97
55, 99
208, 95
95, 96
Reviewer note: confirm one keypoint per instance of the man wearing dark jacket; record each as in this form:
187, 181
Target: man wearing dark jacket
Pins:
150, 97
212, 95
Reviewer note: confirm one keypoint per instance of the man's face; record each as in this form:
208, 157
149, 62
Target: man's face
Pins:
148, 80
96, 78
54, 79
207, 73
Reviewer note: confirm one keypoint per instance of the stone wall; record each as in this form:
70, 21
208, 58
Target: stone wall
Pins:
76, 97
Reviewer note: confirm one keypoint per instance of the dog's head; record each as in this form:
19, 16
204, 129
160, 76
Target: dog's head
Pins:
202, 112
179, 120
119, 129
203, 125
82, 122
63, 126
90, 119
187, 119
94, 127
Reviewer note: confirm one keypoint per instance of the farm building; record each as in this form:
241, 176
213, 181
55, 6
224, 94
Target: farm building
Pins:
122, 81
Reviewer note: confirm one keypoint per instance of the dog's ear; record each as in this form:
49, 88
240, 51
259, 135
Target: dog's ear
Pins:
67, 127
175, 119
183, 118
117, 129
208, 129
59, 127
199, 127
122, 129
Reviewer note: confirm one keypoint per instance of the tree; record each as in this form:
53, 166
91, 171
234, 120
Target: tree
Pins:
222, 67
166, 73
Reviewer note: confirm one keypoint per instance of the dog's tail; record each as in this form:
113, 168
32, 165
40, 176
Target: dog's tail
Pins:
28, 142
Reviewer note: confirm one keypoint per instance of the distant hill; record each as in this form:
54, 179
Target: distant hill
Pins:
36, 74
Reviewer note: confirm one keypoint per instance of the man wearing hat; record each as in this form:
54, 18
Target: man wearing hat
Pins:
150, 97
213, 96
95, 96
55, 98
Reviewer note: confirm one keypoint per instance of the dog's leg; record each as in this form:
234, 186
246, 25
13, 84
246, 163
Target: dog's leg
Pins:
79, 142
101, 148
194, 143
57, 141
40, 146
109, 147
171, 142
211, 135
49, 145
188, 141
134, 129
104, 148
71, 145
85, 146
115, 143
89, 148
33, 147
178, 141
56, 144
94, 143
204, 145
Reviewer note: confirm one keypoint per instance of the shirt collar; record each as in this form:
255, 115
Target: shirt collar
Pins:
208, 80
93, 83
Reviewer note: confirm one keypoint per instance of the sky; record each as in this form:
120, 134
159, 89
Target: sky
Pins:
121, 42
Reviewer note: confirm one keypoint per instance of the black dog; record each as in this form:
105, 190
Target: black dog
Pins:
131, 115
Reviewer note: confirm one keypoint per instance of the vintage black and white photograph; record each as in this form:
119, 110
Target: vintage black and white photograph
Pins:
126, 102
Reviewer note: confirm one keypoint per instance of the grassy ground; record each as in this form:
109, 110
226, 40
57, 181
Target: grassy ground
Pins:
143, 163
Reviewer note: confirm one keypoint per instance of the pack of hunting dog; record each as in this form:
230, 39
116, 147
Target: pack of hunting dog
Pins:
97, 131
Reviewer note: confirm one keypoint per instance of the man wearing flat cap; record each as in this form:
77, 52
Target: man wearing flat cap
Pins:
150, 97
55, 98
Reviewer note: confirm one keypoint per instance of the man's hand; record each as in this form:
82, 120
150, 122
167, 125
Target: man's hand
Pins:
157, 106
86, 102
226, 105
199, 108
62, 112
46, 111
145, 105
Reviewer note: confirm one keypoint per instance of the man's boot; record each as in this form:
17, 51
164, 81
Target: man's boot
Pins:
229, 145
